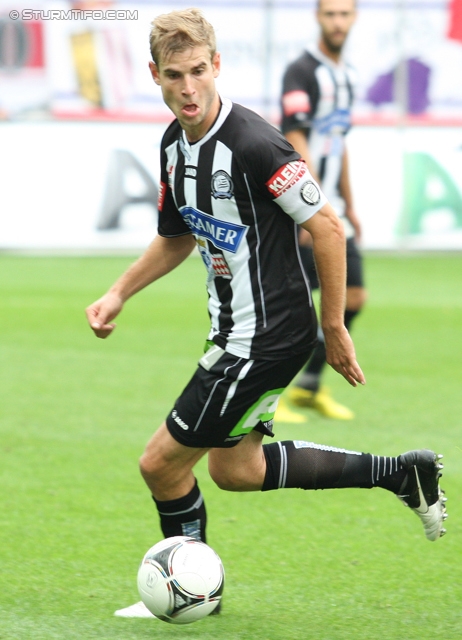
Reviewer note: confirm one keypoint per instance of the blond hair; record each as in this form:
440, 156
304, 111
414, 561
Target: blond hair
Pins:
180, 30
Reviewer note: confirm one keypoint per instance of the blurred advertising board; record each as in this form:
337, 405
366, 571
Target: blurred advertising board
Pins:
93, 186
88, 59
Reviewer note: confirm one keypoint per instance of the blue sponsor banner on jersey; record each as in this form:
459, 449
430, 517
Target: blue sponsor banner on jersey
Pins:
224, 235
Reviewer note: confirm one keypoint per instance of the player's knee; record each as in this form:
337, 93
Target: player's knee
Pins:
224, 478
149, 467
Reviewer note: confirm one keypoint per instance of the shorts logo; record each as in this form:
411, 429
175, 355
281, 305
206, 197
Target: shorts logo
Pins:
285, 177
222, 186
310, 193
222, 234
179, 421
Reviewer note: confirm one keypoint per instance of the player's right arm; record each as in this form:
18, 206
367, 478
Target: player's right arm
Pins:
161, 257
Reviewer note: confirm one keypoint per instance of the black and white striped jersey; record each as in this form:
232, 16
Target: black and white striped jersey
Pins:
241, 190
317, 96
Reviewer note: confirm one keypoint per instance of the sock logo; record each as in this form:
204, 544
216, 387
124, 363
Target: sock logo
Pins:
301, 444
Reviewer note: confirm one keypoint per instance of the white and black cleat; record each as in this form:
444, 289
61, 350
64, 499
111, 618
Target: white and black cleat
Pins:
421, 491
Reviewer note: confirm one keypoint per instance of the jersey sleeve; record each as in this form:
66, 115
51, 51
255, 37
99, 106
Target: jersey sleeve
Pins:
299, 97
295, 190
170, 223
281, 175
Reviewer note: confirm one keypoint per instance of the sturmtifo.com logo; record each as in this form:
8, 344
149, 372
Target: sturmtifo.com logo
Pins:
74, 14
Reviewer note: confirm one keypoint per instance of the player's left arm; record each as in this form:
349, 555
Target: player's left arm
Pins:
329, 244
347, 195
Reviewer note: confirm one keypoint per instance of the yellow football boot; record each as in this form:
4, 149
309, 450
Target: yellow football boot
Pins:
321, 401
285, 414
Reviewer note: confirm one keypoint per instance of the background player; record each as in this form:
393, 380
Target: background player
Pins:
316, 105
232, 184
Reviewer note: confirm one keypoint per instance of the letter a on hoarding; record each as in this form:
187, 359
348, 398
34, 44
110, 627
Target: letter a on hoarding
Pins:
116, 196
420, 171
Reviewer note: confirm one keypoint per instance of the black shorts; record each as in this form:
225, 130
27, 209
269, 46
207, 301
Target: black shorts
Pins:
228, 397
354, 265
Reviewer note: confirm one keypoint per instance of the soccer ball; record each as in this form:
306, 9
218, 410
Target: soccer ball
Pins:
180, 580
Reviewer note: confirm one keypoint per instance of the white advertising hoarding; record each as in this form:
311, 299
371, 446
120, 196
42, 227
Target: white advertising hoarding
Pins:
87, 186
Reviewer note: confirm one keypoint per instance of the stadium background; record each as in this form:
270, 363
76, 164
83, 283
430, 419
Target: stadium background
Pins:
82, 120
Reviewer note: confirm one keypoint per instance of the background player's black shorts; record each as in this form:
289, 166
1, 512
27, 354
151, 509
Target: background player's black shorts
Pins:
354, 265
228, 397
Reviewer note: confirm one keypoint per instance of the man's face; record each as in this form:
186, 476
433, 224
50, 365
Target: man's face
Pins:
336, 17
187, 81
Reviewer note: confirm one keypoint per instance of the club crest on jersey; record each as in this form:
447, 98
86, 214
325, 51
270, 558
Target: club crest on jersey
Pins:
222, 185
310, 193
222, 234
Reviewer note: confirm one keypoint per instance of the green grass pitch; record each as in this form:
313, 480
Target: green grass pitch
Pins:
75, 413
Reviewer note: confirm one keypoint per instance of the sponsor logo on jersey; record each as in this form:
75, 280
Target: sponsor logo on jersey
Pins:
337, 122
295, 102
220, 266
310, 193
190, 172
161, 197
223, 235
222, 185
215, 263
179, 421
285, 177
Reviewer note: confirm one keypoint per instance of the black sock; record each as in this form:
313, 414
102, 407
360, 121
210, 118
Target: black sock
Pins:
185, 516
305, 465
316, 364
348, 317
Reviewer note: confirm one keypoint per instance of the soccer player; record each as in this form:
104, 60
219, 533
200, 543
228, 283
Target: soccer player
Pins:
235, 188
317, 96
